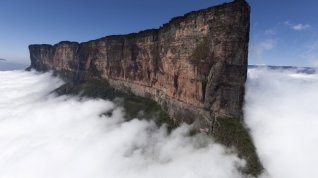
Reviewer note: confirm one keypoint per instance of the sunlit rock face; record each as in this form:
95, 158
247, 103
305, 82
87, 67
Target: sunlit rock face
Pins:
195, 66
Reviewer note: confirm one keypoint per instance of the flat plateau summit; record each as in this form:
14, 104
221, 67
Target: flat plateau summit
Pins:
194, 67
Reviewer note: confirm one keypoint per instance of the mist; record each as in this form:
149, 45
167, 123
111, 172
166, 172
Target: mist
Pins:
44, 135
281, 111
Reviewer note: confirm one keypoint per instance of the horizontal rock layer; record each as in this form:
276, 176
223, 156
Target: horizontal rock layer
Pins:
195, 66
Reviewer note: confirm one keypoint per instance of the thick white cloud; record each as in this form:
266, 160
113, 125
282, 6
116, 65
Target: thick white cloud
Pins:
281, 109
42, 135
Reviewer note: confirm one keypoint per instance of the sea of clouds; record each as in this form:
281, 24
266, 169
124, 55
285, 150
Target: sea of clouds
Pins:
282, 111
43, 135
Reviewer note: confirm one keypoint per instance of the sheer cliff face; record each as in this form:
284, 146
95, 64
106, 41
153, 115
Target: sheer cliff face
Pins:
195, 66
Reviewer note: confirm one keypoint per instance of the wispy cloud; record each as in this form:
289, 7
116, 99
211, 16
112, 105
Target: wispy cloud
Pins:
310, 54
258, 49
270, 32
297, 27
265, 41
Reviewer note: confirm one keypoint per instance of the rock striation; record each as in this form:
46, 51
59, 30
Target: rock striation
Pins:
194, 67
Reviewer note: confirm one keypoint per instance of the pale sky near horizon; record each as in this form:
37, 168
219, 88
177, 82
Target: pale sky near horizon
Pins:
282, 32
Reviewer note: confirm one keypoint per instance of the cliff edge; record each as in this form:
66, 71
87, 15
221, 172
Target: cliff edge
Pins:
194, 67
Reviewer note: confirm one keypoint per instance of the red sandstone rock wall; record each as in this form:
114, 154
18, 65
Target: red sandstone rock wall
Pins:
195, 66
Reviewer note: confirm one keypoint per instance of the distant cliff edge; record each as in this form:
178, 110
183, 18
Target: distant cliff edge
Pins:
194, 67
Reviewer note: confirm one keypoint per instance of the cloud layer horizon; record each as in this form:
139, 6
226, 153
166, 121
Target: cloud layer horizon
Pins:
43, 135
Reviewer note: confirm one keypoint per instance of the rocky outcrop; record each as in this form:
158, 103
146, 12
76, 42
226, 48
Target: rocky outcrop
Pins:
195, 66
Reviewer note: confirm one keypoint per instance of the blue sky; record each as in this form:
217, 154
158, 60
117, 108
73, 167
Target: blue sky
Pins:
282, 32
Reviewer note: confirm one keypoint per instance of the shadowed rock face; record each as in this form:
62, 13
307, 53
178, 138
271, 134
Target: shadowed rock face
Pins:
194, 66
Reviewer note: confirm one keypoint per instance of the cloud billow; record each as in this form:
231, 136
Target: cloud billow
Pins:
42, 135
281, 110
